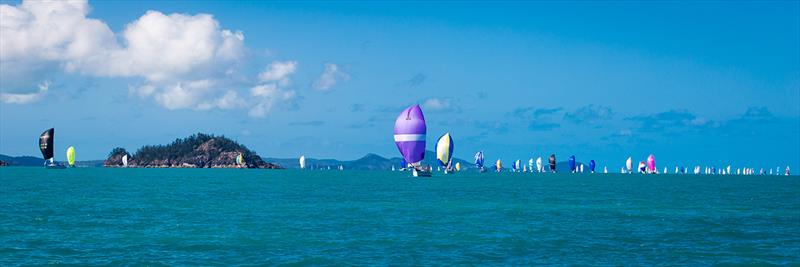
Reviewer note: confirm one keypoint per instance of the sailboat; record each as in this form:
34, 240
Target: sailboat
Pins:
530, 165
552, 161
498, 165
46, 146
71, 156
665, 169
409, 136
479, 161
516, 166
239, 160
458, 166
302, 162
341, 168
539, 164
787, 171
444, 152
605, 169
629, 164
642, 167
591, 166
571, 163
651, 164
125, 161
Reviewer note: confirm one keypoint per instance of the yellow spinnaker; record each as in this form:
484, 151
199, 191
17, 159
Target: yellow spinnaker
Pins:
499, 165
444, 149
71, 156
458, 166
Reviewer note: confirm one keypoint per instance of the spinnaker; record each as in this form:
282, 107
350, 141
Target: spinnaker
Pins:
71, 156
409, 136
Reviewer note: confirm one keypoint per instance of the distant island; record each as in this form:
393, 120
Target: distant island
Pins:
196, 151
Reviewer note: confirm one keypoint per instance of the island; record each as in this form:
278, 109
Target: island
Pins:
196, 151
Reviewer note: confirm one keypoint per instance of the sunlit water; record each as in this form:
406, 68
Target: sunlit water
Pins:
232, 217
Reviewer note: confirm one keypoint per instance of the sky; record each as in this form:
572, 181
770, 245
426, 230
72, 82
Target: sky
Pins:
708, 83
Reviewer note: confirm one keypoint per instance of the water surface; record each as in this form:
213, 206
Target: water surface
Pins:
241, 217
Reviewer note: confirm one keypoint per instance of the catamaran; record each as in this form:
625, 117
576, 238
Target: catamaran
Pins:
444, 152
46, 146
409, 136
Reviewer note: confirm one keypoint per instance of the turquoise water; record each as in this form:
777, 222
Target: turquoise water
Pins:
242, 217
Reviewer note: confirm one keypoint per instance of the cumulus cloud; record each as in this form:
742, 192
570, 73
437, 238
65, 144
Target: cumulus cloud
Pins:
173, 53
278, 72
329, 77
11, 98
267, 96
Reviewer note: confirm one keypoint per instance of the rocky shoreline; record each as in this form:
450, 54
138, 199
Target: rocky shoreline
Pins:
196, 151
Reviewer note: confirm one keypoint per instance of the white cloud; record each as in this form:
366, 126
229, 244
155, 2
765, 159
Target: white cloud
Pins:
329, 77
266, 97
170, 52
11, 98
278, 72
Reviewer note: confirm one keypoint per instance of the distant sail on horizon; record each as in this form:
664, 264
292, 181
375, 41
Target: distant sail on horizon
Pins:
71, 156
571, 163
46, 144
302, 162
125, 160
552, 162
479, 159
629, 164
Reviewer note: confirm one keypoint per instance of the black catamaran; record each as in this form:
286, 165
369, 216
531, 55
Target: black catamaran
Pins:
46, 146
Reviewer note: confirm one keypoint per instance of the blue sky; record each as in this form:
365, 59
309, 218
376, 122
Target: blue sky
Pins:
693, 83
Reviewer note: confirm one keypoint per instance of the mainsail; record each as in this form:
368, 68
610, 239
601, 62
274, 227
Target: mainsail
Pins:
302, 162
552, 162
409, 134
46, 144
444, 149
530, 164
125, 160
458, 166
71, 156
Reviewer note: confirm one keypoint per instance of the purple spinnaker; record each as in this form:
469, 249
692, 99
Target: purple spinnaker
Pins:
409, 134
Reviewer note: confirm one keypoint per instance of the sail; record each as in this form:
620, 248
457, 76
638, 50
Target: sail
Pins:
498, 165
591, 166
539, 164
71, 156
240, 159
651, 163
552, 162
444, 149
409, 134
46, 143
530, 164
125, 160
479, 159
571, 162
302, 162
642, 166
458, 166
629, 164
516, 165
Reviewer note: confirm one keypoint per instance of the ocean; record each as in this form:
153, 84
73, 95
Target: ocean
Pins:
97, 216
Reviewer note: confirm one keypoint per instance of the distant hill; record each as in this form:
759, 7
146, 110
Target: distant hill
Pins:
196, 151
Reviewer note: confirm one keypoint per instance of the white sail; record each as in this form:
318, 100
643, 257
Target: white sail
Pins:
665, 169
628, 164
539, 164
605, 169
302, 162
125, 161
